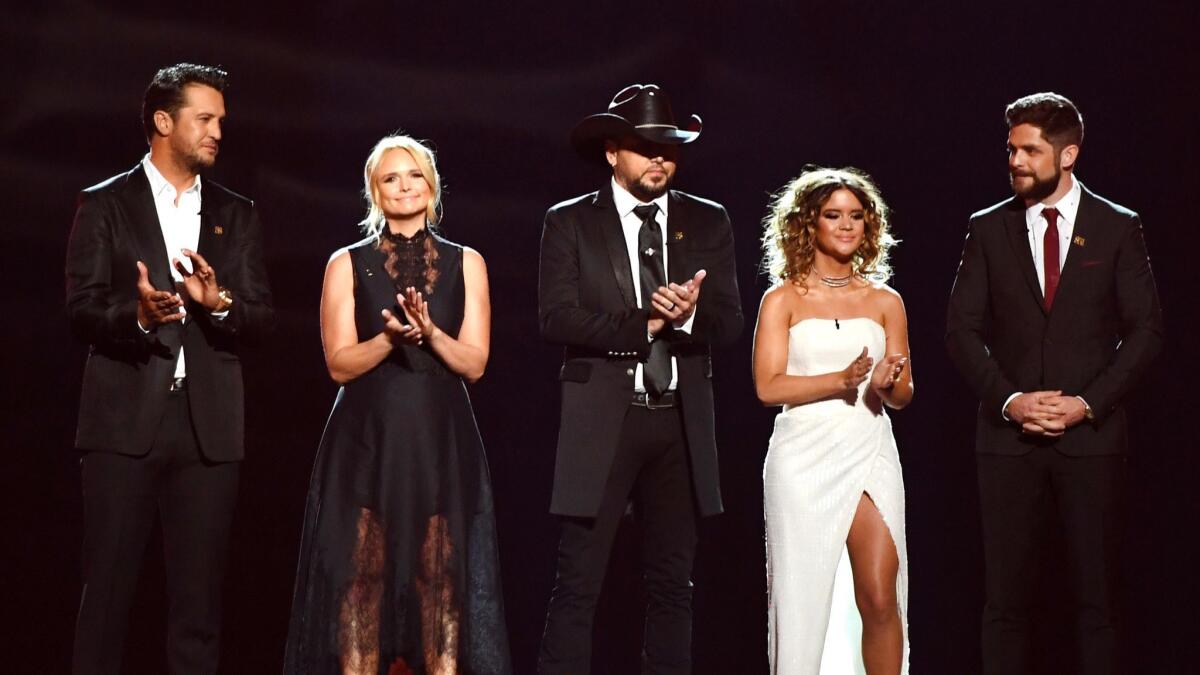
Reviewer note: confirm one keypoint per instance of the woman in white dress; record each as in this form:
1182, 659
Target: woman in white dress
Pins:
831, 347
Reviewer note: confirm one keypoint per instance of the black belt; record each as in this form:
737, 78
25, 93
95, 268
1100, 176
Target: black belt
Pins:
178, 384
667, 400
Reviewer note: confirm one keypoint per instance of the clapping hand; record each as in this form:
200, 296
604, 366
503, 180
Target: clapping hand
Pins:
201, 283
417, 311
675, 302
155, 307
888, 371
857, 371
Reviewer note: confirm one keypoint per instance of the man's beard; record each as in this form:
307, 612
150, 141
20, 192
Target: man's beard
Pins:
195, 162
1039, 189
646, 191
193, 159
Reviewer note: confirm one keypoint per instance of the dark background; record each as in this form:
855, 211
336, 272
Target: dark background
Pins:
912, 93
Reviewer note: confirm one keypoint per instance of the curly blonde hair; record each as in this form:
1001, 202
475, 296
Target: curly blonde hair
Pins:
789, 230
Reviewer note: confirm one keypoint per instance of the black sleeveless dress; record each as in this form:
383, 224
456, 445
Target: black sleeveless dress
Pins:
399, 556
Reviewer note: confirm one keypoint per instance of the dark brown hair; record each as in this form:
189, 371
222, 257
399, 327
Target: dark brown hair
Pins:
166, 90
1058, 118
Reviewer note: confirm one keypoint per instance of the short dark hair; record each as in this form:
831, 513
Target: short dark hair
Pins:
1058, 118
166, 90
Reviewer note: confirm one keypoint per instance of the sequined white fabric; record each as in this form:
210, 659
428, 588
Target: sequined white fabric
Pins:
822, 457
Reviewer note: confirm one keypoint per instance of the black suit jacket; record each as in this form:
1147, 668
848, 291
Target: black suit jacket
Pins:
1104, 329
128, 373
588, 304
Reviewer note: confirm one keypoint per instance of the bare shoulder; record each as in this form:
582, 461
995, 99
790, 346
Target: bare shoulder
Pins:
888, 303
885, 298
781, 300
339, 259
473, 265
472, 257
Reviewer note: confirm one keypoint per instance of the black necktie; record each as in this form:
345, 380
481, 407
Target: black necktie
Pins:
656, 374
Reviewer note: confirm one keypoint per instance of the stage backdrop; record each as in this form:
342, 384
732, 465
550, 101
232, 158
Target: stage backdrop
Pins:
912, 95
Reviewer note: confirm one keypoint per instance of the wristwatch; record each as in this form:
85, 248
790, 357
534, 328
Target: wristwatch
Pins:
224, 300
1087, 410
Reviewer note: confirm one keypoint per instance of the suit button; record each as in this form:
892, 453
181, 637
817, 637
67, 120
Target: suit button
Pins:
629, 371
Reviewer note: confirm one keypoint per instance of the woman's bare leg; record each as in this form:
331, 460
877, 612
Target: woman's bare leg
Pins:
875, 564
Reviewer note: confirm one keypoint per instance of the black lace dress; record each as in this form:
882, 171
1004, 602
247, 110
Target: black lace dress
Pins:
398, 568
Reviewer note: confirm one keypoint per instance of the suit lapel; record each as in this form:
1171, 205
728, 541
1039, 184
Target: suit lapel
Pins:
1018, 238
676, 237
614, 240
1083, 230
142, 220
213, 229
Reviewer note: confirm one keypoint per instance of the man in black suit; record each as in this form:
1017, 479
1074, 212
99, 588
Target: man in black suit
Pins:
165, 282
637, 401
1053, 315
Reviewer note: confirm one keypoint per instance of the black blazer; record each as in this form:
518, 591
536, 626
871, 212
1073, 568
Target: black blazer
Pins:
588, 304
128, 373
1103, 331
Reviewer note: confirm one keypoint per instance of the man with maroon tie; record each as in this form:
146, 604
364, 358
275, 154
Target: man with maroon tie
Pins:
1052, 317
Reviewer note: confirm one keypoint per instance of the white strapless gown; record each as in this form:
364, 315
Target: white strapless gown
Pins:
822, 457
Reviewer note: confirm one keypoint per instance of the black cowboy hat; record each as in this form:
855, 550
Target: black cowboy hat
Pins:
641, 110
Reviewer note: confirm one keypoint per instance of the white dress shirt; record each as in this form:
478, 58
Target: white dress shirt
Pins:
180, 225
630, 225
1036, 224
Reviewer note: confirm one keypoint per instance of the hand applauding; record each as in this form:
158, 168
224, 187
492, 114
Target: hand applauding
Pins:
857, 371
888, 372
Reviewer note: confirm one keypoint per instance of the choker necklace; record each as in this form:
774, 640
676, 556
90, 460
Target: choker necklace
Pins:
400, 239
837, 282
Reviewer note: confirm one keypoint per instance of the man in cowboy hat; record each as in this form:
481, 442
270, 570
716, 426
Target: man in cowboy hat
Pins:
637, 281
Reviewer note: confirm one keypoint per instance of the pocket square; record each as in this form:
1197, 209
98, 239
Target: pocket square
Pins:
1091, 263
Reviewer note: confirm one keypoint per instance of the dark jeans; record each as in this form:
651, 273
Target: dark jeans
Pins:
651, 465
121, 497
1019, 498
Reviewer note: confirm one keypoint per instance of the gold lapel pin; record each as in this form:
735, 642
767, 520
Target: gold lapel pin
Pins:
677, 235
1079, 241
218, 230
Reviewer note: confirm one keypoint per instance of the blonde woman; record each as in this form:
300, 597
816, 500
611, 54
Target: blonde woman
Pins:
831, 347
398, 565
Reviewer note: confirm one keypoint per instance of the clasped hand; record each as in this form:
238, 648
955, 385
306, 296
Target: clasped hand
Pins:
675, 302
416, 312
1045, 413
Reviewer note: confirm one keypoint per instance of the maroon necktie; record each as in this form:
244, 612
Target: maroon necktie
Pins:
1050, 256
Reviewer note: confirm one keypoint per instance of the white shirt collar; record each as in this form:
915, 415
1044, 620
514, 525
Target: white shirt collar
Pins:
158, 183
1067, 206
626, 202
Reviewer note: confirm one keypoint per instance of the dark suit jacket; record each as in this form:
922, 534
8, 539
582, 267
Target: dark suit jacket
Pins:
588, 304
128, 373
1103, 331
